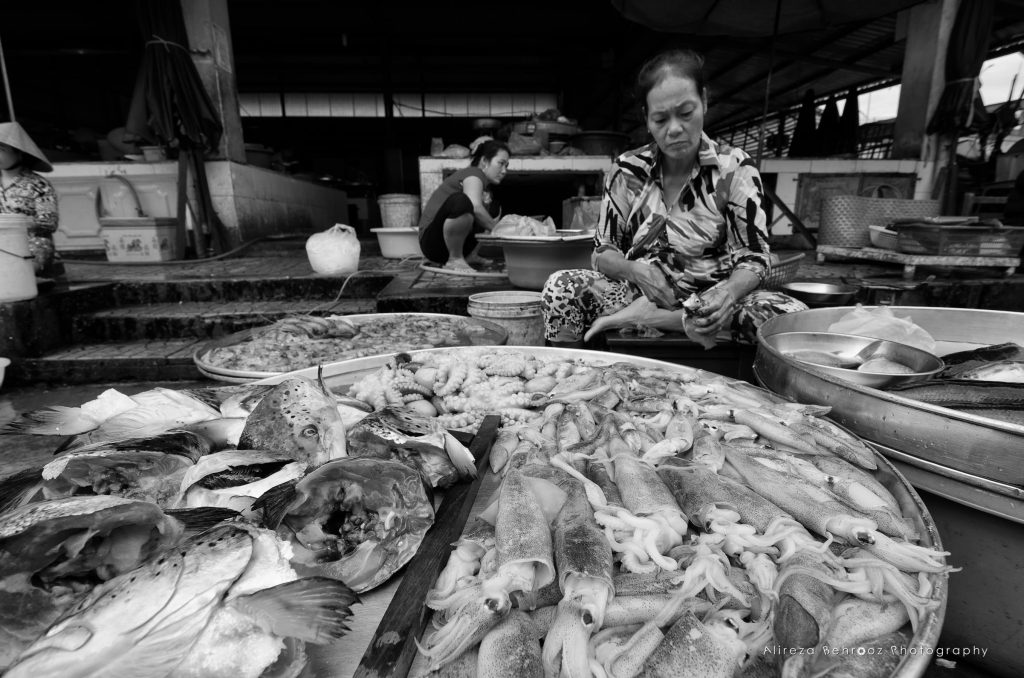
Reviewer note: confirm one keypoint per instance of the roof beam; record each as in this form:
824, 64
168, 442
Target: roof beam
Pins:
827, 40
874, 46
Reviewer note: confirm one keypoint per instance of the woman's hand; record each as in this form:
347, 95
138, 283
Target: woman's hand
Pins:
652, 282
716, 310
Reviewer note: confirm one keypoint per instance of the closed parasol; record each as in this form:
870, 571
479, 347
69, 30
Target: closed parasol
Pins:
826, 139
803, 144
170, 106
849, 126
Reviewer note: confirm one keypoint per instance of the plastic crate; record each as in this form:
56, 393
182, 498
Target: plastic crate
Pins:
960, 241
137, 239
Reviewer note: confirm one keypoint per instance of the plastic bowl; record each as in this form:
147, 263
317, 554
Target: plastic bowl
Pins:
398, 243
529, 263
845, 347
820, 294
883, 238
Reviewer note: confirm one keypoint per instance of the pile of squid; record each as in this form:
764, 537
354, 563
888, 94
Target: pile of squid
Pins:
665, 523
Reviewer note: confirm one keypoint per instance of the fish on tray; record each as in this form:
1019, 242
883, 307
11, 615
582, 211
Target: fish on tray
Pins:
300, 417
399, 433
357, 520
987, 382
234, 479
147, 469
53, 551
223, 603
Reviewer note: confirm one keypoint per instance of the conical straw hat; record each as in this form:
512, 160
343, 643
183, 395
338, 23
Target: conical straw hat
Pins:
15, 136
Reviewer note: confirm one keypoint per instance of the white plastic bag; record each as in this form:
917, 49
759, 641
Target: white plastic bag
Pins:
334, 251
881, 323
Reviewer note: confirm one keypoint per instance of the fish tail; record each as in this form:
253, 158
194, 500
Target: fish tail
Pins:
17, 489
274, 503
52, 421
313, 609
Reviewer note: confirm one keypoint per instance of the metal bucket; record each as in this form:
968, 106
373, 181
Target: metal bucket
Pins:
517, 312
17, 272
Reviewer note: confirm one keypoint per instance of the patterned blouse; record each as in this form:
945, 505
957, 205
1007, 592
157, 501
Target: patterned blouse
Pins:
32, 195
719, 223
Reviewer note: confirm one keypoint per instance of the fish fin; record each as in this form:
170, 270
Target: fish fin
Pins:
207, 395
274, 503
354, 403
313, 609
17, 489
321, 383
52, 421
197, 520
460, 456
185, 443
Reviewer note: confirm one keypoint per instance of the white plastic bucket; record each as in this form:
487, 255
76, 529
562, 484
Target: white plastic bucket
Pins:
399, 210
516, 311
17, 274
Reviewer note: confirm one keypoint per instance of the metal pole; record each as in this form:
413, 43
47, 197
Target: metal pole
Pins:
768, 82
7, 83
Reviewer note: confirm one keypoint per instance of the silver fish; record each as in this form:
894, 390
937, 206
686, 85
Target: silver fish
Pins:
219, 604
298, 417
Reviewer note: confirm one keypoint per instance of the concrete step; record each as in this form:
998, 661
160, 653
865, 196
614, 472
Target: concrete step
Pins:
322, 288
201, 319
164, 359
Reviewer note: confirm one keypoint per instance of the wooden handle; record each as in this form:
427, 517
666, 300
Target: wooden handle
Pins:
392, 649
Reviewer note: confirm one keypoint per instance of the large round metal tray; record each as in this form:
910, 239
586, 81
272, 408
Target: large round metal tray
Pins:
921, 648
496, 335
966, 442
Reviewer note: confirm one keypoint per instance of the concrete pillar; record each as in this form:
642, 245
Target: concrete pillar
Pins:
927, 26
209, 36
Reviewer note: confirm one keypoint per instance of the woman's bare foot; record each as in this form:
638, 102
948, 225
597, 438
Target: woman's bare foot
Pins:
479, 262
459, 265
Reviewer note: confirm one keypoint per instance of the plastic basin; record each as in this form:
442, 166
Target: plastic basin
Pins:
530, 263
398, 243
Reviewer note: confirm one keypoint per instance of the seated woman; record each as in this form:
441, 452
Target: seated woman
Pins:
680, 216
461, 206
24, 192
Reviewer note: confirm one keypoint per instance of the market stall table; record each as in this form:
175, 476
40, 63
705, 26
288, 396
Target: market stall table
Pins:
910, 262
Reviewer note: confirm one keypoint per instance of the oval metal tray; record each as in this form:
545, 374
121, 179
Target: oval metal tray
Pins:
207, 369
921, 648
967, 442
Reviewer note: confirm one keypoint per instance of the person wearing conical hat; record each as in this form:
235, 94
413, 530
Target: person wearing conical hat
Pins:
23, 191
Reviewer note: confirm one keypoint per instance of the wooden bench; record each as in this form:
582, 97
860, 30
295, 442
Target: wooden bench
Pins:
727, 359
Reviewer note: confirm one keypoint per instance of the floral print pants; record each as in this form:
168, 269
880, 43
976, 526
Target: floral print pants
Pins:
573, 299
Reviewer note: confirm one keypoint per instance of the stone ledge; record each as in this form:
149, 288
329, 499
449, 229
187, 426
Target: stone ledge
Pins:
202, 320
30, 328
130, 361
